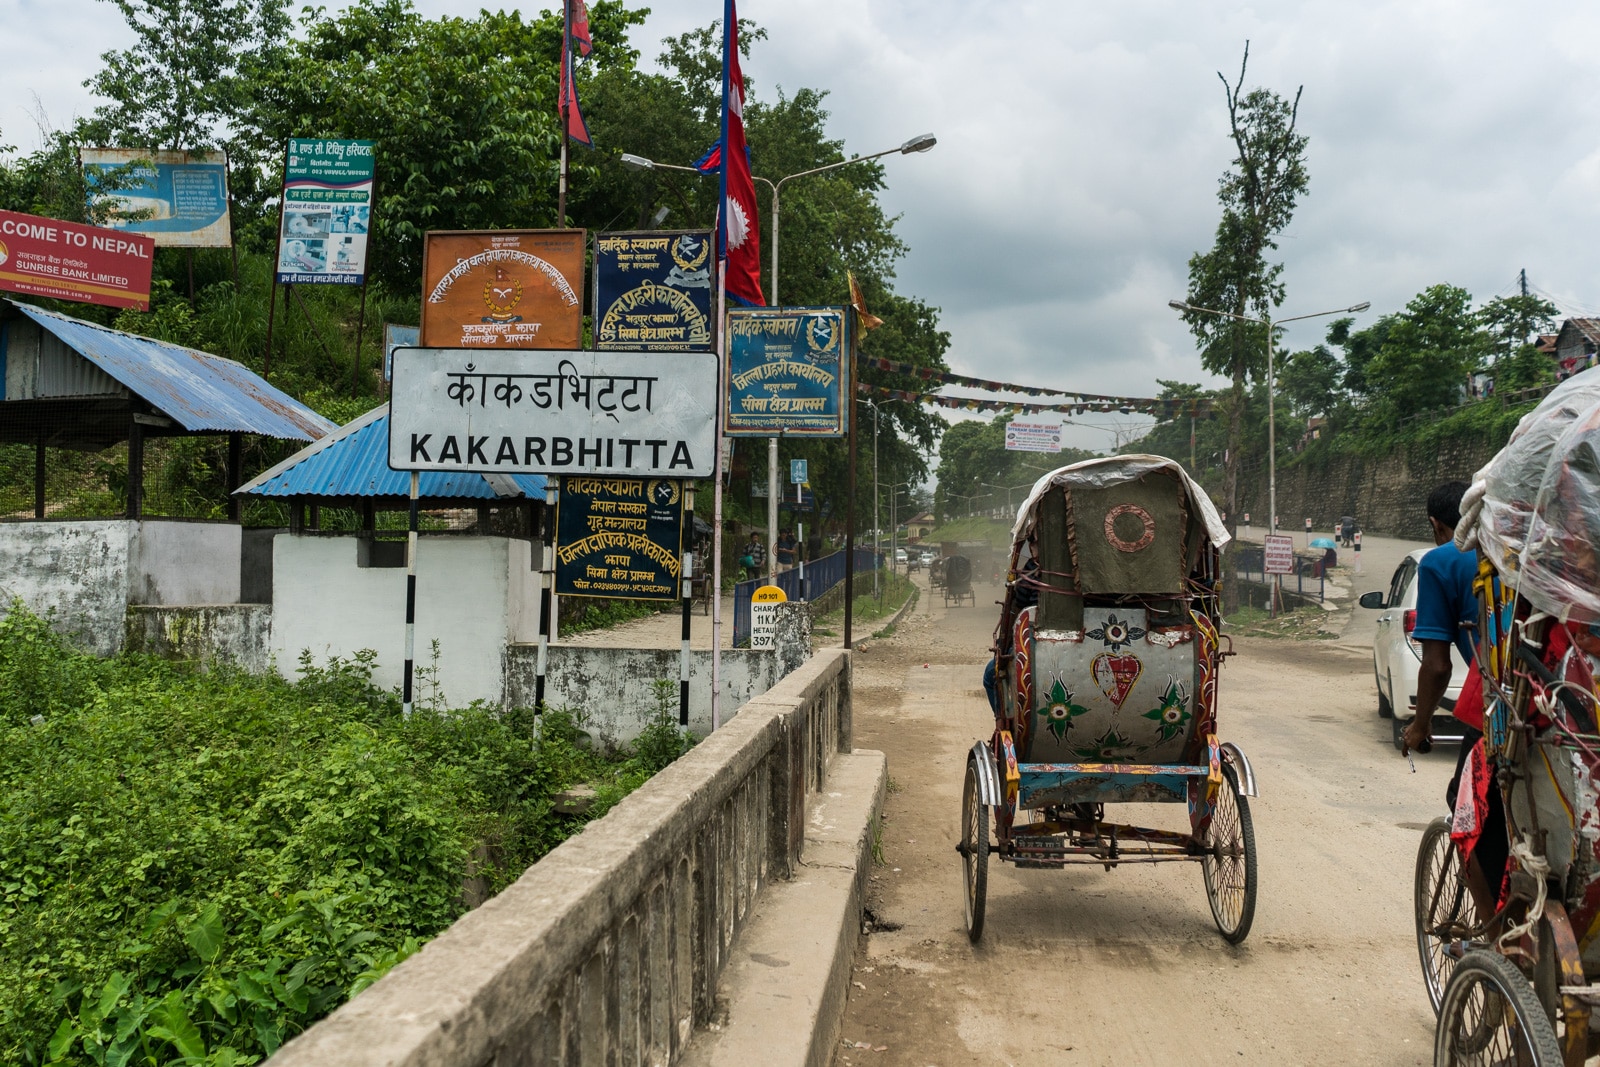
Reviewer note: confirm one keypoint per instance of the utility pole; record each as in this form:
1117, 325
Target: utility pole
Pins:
1522, 280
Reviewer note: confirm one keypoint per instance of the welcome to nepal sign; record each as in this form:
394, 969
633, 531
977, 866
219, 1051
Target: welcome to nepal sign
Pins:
68, 261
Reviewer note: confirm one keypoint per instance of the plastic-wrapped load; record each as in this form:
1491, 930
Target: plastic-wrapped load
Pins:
1496, 510
1560, 563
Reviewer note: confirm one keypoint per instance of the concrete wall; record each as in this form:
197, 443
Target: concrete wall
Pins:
76, 573
85, 573
608, 950
324, 603
184, 563
1387, 494
236, 634
612, 686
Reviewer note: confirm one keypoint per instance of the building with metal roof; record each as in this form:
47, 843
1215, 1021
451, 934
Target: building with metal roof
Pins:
67, 383
350, 468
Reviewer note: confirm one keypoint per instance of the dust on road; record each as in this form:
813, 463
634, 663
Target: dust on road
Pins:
1085, 966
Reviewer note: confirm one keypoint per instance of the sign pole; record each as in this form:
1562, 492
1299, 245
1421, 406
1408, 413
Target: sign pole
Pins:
850, 526
277, 253
688, 600
361, 325
716, 502
547, 574
411, 593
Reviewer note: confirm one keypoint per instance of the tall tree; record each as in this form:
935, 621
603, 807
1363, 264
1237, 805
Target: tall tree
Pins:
1258, 192
186, 77
1430, 350
1512, 321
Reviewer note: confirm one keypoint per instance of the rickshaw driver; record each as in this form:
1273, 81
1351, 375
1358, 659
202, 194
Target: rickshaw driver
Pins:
1447, 612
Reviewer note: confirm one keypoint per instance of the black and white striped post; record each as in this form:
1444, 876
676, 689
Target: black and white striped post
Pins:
411, 593
547, 578
688, 601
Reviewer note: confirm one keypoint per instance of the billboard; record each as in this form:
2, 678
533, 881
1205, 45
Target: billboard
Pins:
522, 412
397, 337
653, 290
327, 212
503, 289
68, 261
619, 537
788, 372
1026, 435
179, 199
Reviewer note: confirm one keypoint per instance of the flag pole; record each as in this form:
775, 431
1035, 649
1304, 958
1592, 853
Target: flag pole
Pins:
715, 578
562, 94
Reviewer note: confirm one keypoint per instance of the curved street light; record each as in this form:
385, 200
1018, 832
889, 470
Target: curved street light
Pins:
1272, 422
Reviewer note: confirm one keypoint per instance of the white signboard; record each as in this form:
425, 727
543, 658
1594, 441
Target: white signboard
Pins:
1279, 554
553, 412
1031, 436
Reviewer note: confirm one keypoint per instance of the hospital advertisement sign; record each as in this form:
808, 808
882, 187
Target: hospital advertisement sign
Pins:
327, 212
67, 261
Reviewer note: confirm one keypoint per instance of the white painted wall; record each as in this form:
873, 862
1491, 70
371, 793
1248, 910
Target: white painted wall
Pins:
185, 563
323, 602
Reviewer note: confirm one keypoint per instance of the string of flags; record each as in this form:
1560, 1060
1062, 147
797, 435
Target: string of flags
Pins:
1083, 402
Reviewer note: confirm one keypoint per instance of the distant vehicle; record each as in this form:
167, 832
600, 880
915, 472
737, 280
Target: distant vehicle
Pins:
1396, 655
900, 555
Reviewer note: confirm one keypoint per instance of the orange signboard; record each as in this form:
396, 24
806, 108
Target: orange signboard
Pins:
502, 289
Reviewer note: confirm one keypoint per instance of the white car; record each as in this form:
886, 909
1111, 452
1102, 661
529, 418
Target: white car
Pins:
1396, 655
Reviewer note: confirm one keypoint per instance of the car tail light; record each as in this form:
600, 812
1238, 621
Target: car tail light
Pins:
1409, 621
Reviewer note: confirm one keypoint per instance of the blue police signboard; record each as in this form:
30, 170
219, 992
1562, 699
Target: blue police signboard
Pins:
619, 537
653, 291
788, 372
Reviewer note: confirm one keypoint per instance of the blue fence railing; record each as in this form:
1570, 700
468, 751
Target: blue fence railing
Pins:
821, 575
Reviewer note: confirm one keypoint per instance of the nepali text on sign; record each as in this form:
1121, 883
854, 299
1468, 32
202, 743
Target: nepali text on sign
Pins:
541, 412
788, 372
619, 537
48, 257
653, 290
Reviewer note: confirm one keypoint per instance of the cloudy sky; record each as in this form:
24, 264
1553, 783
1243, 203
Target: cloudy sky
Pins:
1080, 145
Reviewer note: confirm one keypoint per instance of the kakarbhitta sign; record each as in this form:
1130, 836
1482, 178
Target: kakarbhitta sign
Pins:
68, 261
532, 412
619, 537
502, 289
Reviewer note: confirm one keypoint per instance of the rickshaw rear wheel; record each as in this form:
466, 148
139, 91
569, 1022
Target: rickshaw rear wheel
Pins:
1442, 907
1230, 861
974, 850
1491, 1014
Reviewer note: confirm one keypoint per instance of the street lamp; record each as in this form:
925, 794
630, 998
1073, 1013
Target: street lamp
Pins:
920, 143
1272, 422
876, 526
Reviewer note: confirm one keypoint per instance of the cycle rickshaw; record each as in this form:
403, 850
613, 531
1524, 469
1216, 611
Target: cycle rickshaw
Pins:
1524, 994
1107, 653
958, 581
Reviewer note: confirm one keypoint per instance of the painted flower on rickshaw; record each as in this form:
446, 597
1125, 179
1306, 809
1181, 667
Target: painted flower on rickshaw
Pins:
1171, 715
1060, 710
1109, 747
1116, 633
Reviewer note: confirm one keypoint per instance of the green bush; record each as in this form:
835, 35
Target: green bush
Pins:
194, 867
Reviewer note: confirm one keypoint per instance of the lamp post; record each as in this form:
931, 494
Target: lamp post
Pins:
920, 143
1272, 421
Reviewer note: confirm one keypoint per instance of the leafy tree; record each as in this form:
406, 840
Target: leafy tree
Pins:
1511, 321
1311, 381
1429, 351
189, 73
1258, 192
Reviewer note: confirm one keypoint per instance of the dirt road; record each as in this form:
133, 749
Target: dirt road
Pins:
1085, 966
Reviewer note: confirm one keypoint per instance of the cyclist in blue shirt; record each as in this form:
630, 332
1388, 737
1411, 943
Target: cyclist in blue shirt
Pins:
1447, 613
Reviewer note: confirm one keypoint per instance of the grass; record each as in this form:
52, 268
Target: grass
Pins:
1295, 624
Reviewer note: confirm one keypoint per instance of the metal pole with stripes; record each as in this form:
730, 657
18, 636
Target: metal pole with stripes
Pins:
547, 577
688, 601
411, 593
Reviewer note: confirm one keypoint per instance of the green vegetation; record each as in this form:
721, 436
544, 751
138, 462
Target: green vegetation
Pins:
977, 472
973, 528
195, 867
893, 592
1295, 624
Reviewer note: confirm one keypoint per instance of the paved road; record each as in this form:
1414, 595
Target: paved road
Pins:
1124, 967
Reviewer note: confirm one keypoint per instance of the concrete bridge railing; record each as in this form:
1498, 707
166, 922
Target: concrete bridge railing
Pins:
608, 950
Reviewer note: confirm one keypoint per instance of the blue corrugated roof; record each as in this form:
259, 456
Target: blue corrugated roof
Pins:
197, 390
353, 461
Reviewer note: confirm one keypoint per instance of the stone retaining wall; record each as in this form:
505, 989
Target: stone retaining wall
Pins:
608, 950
